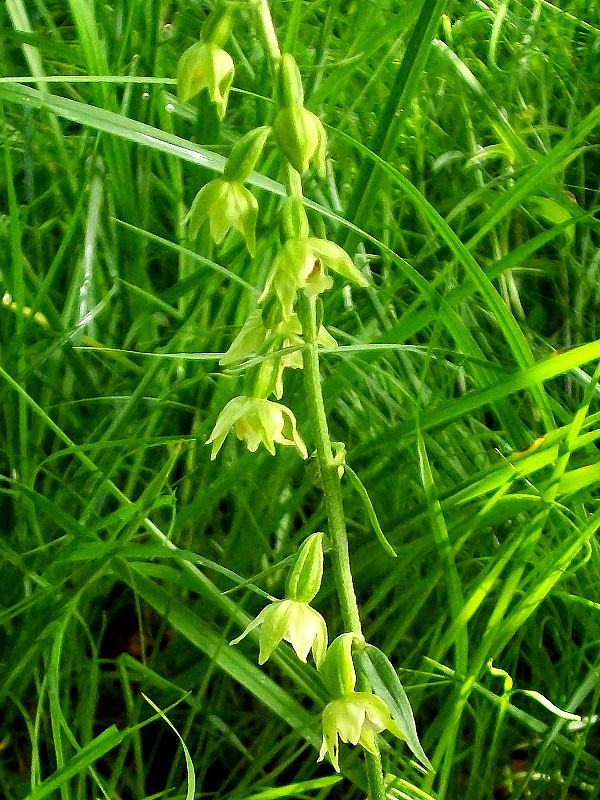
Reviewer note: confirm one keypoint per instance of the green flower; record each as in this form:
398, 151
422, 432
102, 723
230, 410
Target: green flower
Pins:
293, 622
301, 137
225, 204
256, 420
205, 65
254, 337
355, 718
303, 264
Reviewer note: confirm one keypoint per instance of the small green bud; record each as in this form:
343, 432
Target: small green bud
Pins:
245, 154
295, 221
255, 421
217, 27
205, 66
293, 622
225, 204
338, 671
304, 579
301, 137
356, 718
290, 82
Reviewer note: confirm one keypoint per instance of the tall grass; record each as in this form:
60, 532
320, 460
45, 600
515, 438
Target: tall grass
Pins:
463, 176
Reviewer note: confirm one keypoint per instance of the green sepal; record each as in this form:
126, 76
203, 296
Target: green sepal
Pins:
245, 154
338, 671
249, 340
225, 204
304, 579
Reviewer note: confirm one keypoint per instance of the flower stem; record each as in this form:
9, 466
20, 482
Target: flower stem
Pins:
332, 490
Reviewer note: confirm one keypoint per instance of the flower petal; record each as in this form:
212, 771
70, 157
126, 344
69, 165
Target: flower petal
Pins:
273, 629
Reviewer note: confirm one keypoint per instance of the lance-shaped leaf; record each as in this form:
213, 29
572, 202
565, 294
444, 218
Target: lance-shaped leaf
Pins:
386, 684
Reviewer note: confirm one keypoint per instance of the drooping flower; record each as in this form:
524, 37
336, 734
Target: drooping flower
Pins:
225, 204
303, 264
355, 718
256, 420
255, 337
205, 65
293, 622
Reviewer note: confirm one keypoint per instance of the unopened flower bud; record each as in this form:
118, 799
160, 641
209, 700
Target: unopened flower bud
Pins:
301, 137
304, 579
225, 204
245, 154
205, 65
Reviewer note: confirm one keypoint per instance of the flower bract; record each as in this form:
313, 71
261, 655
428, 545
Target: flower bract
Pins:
293, 622
225, 204
355, 718
256, 421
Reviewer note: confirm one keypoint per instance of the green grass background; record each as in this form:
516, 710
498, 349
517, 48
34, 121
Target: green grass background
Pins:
463, 176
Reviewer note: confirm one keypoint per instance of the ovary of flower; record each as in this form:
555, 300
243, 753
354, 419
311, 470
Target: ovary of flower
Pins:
293, 622
355, 718
256, 420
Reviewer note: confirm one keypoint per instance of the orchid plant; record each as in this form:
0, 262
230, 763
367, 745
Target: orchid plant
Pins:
285, 330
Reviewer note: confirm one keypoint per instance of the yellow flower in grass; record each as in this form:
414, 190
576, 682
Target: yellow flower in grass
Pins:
256, 421
303, 264
289, 621
355, 718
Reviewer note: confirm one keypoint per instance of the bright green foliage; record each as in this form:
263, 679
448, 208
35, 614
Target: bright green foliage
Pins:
462, 181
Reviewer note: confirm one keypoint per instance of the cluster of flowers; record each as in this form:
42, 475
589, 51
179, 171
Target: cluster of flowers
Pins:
303, 263
354, 717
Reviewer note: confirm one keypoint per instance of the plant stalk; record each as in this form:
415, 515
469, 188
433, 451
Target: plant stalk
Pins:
332, 491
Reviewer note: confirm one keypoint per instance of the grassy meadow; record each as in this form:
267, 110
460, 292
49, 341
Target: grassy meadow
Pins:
462, 178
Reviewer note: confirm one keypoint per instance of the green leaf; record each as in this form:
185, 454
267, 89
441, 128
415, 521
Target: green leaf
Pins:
386, 684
